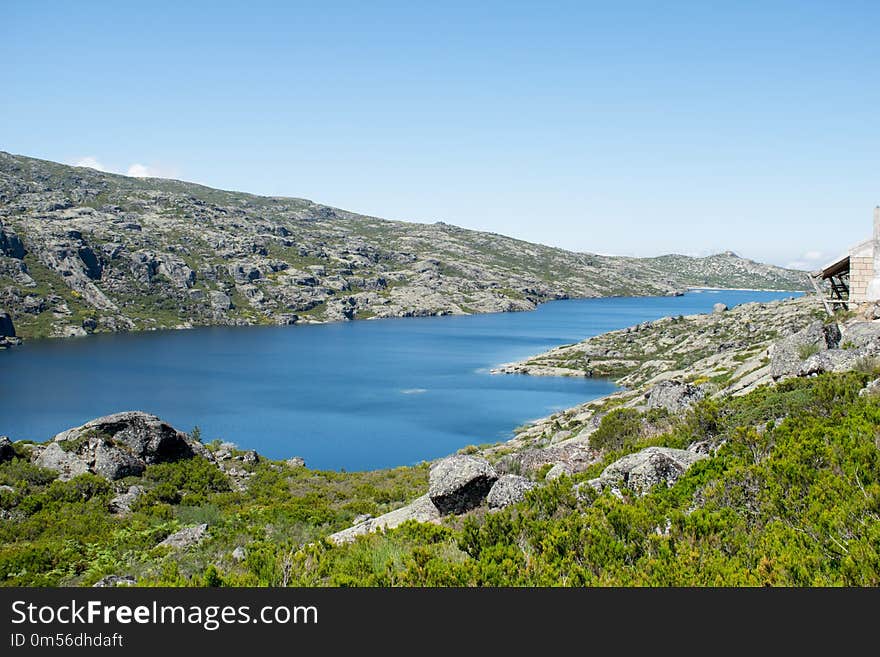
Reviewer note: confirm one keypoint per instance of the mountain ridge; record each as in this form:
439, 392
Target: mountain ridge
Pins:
85, 251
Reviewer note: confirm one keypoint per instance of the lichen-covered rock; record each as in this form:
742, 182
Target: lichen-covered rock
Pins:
787, 355
67, 464
112, 581
421, 509
186, 537
831, 360
121, 504
509, 489
861, 335
117, 446
645, 469
674, 396
559, 470
460, 483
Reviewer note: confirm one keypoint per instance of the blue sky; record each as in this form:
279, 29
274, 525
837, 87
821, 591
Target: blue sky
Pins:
627, 127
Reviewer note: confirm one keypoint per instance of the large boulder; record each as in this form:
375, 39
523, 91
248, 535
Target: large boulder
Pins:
421, 509
674, 396
509, 489
787, 355
645, 469
7, 329
831, 360
861, 336
7, 451
117, 446
460, 483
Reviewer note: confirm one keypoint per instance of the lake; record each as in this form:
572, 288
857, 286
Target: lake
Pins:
356, 395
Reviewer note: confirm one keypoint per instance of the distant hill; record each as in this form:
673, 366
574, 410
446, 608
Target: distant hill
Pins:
84, 251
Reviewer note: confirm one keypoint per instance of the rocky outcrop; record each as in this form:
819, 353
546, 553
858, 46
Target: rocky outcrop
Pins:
719, 308
725, 349
186, 537
7, 451
460, 483
509, 489
121, 504
788, 355
112, 581
645, 469
10, 244
674, 396
420, 510
117, 446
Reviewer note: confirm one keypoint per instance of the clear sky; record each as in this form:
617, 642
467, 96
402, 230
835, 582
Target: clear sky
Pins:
617, 127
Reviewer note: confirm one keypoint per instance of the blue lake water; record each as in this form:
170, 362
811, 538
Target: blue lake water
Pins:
355, 395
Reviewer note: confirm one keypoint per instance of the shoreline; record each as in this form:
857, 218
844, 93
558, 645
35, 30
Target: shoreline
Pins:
184, 326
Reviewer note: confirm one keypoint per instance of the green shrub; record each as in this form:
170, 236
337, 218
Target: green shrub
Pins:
619, 429
807, 350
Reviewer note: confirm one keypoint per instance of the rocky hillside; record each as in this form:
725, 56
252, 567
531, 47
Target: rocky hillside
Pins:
727, 348
84, 251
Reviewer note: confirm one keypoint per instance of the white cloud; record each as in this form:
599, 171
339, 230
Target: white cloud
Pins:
810, 260
91, 163
138, 170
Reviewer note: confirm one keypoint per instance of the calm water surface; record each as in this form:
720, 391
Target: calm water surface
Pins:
358, 395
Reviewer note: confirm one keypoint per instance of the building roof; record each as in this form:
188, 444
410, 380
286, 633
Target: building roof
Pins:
835, 268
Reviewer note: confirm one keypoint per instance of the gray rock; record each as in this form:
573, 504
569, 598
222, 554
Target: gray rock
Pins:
296, 462
117, 446
363, 517
10, 244
239, 554
861, 335
460, 483
421, 509
186, 537
787, 355
873, 388
113, 581
67, 464
831, 360
219, 301
7, 328
7, 451
121, 504
509, 489
674, 396
645, 469
6, 489
250, 456
719, 308
559, 470
113, 462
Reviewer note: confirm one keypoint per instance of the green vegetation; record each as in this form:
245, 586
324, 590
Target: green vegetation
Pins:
791, 497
